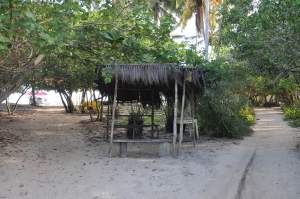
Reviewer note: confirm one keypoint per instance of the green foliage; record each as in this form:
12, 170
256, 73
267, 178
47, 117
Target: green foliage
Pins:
287, 90
248, 115
107, 76
76, 36
292, 114
220, 116
219, 109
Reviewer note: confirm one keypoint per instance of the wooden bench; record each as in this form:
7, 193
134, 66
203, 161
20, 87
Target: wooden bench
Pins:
164, 145
125, 126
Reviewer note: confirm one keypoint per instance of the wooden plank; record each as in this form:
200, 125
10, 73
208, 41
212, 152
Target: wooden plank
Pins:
126, 125
126, 115
190, 121
142, 141
175, 117
113, 116
181, 116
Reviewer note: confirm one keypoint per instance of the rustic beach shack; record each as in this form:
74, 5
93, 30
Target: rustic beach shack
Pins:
146, 83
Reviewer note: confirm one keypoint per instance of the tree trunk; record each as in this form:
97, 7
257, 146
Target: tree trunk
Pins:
156, 10
33, 96
206, 29
66, 99
7, 104
63, 102
12, 86
97, 106
14, 108
82, 100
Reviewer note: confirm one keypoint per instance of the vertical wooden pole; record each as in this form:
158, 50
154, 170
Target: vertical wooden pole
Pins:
175, 117
193, 117
181, 116
107, 119
113, 116
101, 109
152, 113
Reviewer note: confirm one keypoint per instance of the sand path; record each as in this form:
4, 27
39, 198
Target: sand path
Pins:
54, 160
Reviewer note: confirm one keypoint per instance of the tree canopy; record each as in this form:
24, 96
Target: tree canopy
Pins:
57, 45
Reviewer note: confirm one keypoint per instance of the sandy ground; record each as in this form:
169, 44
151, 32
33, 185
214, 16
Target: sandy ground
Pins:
52, 158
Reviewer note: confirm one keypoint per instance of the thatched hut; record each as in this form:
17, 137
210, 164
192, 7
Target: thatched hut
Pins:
146, 82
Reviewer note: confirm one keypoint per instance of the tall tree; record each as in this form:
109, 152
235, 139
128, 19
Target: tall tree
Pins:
264, 38
29, 30
205, 14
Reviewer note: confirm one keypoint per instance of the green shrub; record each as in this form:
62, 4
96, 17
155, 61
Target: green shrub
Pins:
248, 115
223, 99
220, 117
295, 122
292, 114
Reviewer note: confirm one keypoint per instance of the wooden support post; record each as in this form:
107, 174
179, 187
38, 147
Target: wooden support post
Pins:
113, 116
196, 126
101, 109
181, 116
152, 113
107, 120
193, 117
175, 117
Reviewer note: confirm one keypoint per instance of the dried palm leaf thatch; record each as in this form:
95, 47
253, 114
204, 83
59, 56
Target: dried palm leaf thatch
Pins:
152, 74
143, 82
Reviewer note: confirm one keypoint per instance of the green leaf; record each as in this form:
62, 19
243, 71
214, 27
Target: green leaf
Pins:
106, 36
4, 39
29, 15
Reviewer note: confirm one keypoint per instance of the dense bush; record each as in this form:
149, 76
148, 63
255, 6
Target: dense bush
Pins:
248, 115
223, 110
292, 114
221, 117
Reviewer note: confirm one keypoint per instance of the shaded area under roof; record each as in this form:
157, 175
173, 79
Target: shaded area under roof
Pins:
144, 82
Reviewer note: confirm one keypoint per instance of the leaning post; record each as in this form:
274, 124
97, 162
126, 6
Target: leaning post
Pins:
181, 115
113, 115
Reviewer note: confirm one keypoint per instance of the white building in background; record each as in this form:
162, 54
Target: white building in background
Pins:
188, 35
48, 98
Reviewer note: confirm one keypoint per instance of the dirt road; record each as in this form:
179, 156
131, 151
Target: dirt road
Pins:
274, 171
53, 160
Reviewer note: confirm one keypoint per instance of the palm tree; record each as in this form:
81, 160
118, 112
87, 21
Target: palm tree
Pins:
161, 7
205, 13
